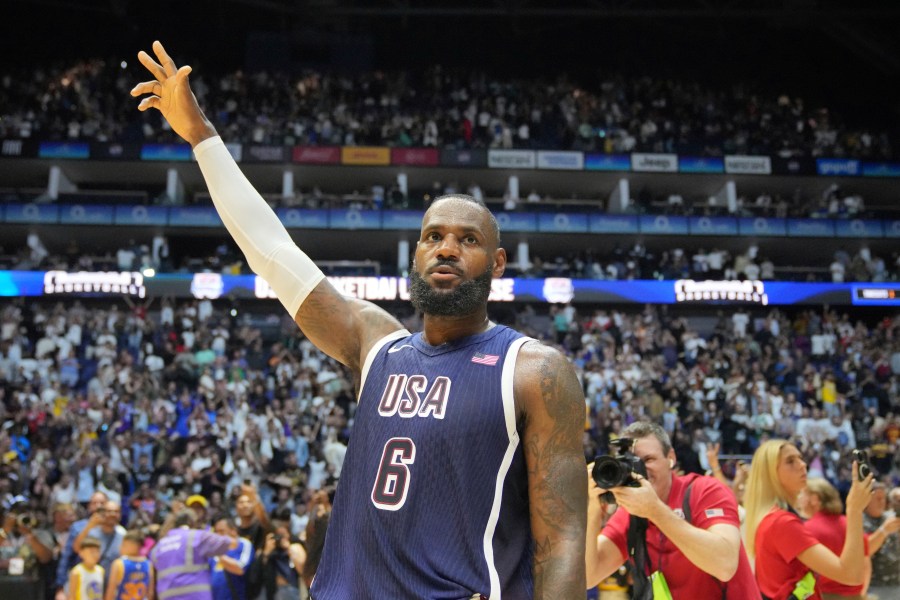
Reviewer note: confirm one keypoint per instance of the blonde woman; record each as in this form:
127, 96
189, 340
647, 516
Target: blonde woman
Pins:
821, 504
787, 555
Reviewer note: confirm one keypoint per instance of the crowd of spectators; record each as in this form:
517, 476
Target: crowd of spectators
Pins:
440, 107
635, 262
149, 407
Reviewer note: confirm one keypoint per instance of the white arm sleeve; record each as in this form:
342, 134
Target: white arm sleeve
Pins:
255, 227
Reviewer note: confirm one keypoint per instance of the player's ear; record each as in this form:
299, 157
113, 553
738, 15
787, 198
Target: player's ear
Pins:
499, 262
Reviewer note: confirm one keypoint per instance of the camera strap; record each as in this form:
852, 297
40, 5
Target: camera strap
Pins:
637, 550
640, 557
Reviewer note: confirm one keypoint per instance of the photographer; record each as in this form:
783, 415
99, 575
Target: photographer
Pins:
68, 557
699, 558
21, 538
283, 559
788, 557
104, 525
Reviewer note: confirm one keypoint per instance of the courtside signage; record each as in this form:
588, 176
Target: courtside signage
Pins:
654, 163
511, 159
570, 161
748, 165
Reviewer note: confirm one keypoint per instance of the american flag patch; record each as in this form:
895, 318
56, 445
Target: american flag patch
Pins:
714, 512
485, 359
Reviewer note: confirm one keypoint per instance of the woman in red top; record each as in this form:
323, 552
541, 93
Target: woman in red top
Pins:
821, 504
784, 550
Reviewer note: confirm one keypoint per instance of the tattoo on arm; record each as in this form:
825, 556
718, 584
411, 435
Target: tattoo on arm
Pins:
556, 479
343, 327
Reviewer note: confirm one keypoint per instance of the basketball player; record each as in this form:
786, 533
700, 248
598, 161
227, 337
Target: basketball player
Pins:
131, 575
465, 474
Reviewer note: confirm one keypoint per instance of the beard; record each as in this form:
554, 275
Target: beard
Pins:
465, 299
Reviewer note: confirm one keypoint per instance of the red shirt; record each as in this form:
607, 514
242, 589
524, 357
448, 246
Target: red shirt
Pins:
780, 537
711, 503
831, 530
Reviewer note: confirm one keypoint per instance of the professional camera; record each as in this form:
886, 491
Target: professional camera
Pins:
862, 463
27, 520
614, 471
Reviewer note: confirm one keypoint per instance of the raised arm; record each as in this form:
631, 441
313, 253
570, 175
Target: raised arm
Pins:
850, 567
550, 398
343, 328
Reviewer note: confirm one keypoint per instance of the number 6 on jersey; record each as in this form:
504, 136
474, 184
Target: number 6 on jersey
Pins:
392, 482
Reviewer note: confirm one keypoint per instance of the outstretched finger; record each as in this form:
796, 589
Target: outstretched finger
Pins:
183, 72
154, 67
149, 102
164, 58
147, 87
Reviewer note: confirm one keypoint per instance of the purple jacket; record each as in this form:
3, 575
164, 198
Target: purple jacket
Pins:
181, 560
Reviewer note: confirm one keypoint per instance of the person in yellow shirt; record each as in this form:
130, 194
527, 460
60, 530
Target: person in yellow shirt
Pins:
86, 578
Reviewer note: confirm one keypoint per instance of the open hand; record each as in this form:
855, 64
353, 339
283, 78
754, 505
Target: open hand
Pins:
170, 93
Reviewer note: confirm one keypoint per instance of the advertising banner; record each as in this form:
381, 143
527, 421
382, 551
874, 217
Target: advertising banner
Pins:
570, 161
713, 226
86, 214
256, 153
193, 216
761, 226
594, 161
552, 289
316, 155
748, 165
691, 164
859, 228
366, 155
875, 294
614, 224
354, 219
838, 167
663, 225
654, 163
166, 152
881, 169
64, 150
403, 219
141, 215
43, 214
810, 227
114, 151
452, 157
415, 157
303, 218
892, 228
511, 159
562, 223
517, 221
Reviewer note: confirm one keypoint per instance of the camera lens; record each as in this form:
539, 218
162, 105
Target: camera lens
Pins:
610, 472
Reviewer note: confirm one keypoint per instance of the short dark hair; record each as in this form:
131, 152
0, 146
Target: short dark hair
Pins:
185, 517
229, 521
467, 198
642, 429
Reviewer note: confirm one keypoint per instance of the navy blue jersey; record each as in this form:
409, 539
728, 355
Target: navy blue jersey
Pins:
433, 498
